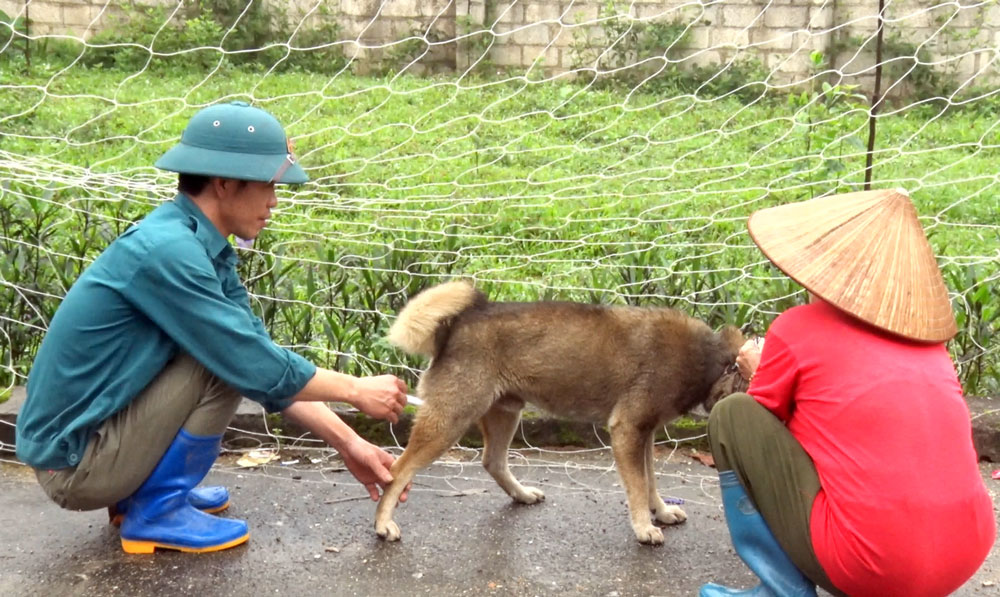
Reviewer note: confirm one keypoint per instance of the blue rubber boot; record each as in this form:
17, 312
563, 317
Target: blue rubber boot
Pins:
758, 548
210, 500
159, 513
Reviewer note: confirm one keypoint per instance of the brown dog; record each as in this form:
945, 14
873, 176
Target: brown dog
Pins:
632, 368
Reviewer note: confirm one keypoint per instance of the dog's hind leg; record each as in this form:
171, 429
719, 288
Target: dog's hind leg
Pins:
433, 433
661, 511
498, 426
628, 443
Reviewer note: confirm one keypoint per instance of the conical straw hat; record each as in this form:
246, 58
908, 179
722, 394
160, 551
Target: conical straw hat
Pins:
864, 253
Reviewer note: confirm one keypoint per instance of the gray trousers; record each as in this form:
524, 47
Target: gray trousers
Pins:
127, 446
776, 473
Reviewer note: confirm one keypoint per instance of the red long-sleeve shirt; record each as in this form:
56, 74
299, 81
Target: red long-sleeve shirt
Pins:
902, 509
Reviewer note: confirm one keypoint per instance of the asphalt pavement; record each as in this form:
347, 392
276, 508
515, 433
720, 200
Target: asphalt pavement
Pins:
312, 533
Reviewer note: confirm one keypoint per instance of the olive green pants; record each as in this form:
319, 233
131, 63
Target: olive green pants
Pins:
776, 473
127, 446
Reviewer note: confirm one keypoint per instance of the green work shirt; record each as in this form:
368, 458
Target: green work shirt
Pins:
167, 285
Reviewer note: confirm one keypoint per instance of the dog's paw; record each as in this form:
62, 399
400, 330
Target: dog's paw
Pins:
670, 515
649, 535
388, 531
529, 495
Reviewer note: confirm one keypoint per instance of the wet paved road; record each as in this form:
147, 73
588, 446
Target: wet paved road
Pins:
311, 534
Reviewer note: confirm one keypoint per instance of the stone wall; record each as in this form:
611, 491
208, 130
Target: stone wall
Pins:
959, 37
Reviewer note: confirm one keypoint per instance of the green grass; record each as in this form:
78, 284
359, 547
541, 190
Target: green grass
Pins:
539, 190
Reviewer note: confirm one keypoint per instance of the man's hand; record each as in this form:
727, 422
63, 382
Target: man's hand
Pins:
749, 357
370, 466
382, 397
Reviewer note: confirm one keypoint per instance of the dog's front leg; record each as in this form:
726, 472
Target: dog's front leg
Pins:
628, 443
661, 511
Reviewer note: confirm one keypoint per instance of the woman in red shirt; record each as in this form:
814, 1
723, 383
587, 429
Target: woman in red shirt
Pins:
850, 464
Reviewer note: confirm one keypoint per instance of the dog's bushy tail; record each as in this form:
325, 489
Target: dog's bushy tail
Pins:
416, 327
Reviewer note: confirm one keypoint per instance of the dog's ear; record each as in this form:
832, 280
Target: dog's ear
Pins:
732, 338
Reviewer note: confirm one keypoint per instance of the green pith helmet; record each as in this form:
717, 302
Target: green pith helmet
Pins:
237, 141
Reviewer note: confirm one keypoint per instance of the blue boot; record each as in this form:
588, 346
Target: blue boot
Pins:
210, 500
159, 513
758, 548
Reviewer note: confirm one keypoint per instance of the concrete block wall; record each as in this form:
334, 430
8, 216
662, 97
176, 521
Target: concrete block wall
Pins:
962, 37
58, 17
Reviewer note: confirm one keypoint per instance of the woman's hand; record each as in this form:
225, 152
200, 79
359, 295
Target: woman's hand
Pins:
749, 357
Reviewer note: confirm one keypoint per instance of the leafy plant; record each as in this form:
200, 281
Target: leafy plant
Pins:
202, 35
551, 189
629, 52
908, 67
977, 314
475, 40
414, 49
624, 41
824, 118
15, 38
43, 251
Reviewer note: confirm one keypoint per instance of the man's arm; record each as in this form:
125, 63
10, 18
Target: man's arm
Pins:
382, 396
368, 463
179, 290
376, 396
